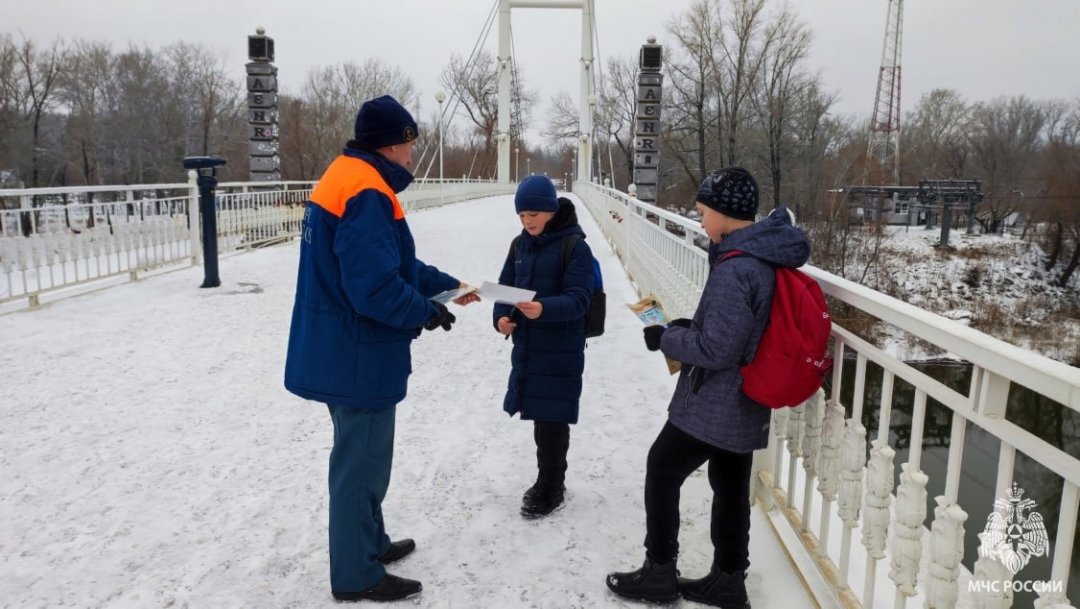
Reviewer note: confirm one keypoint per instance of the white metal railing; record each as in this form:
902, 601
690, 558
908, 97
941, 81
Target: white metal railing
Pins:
55, 238
829, 448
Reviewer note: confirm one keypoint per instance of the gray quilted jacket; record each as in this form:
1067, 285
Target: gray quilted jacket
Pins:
726, 328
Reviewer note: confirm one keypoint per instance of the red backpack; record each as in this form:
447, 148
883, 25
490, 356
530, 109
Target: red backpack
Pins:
792, 358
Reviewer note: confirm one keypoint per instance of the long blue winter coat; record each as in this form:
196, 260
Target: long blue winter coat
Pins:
549, 352
724, 334
361, 294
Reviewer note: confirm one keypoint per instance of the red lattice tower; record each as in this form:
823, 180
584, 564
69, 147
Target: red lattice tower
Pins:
883, 150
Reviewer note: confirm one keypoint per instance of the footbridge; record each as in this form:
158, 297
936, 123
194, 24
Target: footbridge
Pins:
146, 433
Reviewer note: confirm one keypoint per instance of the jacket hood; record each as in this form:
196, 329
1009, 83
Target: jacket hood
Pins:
396, 176
774, 240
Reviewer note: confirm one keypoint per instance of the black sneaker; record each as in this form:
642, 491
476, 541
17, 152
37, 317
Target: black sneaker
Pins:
653, 582
546, 500
397, 550
717, 589
389, 588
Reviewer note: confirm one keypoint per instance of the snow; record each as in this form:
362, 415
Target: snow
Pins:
150, 456
995, 283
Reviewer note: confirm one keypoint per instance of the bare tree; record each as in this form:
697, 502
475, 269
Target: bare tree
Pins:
692, 79
616, 114
782, 82
213, 100
332, 95
563, 124
87, 81
1004, 140
40, 74
476, 87
936, 139
739, 66
12, 104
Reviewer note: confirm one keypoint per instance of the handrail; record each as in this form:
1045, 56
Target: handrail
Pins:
826, 444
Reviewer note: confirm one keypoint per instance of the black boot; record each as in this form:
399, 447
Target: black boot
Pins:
389, 588
530, 494
719, 589
544, 501
397, 550
653, 582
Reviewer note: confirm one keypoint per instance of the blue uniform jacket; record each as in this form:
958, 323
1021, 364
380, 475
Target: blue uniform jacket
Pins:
361, 294
549, 352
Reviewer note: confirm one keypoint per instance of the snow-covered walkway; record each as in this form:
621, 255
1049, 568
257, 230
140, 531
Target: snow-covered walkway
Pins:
150, 457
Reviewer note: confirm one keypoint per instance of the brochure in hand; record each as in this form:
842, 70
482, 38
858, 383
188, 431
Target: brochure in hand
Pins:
505, 294
651, 313
447, 296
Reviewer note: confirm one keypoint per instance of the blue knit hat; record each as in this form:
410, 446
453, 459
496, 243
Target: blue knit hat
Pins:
383, 122
536, 193
731, 191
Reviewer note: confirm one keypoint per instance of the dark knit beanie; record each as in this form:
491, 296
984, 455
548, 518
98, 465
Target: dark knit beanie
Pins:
731, 191
383, 122
536, 193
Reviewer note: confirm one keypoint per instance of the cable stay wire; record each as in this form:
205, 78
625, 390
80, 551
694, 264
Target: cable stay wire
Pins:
453, 98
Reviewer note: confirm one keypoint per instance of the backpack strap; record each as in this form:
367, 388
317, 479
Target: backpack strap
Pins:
513, 248
567, 248
729, 254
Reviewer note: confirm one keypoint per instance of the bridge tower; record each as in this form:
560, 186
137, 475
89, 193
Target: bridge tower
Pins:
883, 148
588, 96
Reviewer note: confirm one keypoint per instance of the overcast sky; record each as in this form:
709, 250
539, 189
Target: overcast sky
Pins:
981, 48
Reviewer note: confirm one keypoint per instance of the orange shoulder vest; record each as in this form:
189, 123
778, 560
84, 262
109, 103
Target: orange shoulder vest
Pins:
346, 177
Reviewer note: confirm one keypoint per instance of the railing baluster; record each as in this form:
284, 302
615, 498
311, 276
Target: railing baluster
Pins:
794, 445
853, 460
1063, 549
814, 419
879, 487
832, 439
910, 510
838, 368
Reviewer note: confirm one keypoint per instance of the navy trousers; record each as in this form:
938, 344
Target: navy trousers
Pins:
359, 476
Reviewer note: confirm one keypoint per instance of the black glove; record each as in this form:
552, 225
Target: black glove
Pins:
442, 318
652, 337
682, 322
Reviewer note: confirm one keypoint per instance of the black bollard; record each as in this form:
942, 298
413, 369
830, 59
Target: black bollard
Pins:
207, 181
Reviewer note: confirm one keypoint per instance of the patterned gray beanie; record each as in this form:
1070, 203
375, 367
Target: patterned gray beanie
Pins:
731, 191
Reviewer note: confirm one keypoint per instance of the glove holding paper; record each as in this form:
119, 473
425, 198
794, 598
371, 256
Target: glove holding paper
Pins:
651, 313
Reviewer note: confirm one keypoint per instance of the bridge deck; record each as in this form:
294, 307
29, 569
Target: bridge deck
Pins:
151, 457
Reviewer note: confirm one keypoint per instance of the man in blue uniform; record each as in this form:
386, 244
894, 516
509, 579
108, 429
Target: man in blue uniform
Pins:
361, 299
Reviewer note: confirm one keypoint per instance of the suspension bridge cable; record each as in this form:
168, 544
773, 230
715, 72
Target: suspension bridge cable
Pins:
454, 98
600, 70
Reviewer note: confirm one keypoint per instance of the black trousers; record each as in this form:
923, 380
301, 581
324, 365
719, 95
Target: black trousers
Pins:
673, 457
552, 444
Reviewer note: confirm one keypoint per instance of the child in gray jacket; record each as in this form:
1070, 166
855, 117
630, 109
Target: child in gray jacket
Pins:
710, 419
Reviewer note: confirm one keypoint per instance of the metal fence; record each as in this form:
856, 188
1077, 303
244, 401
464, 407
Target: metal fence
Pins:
829, 463
52, 239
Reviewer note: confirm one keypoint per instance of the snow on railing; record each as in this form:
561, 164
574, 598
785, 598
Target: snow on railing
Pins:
55, 238
663, 255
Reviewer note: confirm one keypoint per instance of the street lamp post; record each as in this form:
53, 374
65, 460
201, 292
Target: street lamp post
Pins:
528, 164
440, 97
517, 162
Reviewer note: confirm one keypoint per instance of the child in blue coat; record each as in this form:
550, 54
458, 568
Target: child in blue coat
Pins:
548, 333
